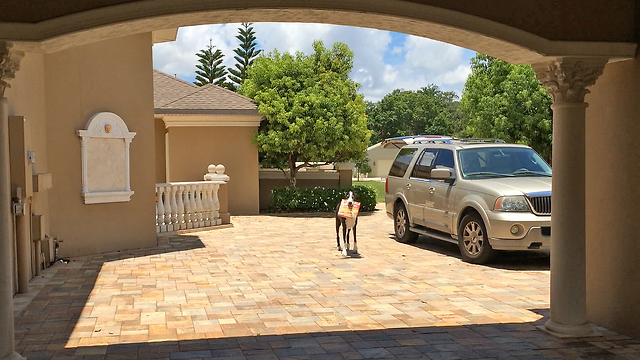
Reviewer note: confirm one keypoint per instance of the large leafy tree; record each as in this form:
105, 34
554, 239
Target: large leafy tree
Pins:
246, 53
210, 69
312, 109
425, 111
502, 100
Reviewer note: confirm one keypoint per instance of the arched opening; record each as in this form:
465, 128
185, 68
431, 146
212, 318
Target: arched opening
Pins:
68, 54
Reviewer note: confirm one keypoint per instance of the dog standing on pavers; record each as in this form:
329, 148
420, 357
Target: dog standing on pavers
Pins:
347, 217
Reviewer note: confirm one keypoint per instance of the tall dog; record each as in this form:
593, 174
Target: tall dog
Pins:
347, 224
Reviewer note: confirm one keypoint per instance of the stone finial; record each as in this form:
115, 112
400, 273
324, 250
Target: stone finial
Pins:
216, 173
9, 64
567, 79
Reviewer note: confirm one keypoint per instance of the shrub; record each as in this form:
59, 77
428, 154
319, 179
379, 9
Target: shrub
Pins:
319, 199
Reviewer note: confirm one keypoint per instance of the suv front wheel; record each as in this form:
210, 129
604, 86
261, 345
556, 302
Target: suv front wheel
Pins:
473, 240
401, 226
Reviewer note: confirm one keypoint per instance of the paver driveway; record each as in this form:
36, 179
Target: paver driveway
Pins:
274, 287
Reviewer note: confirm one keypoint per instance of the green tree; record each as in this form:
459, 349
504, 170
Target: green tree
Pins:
401, 113
245, 54
312, 109
210, 69
362, 166
502, 100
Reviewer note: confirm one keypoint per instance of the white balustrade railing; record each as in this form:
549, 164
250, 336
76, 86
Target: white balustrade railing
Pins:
187, 205
190, 205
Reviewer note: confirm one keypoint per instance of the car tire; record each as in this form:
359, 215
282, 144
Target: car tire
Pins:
401, 226
473, 240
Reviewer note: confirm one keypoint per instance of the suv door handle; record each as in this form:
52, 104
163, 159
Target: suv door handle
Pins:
432, 190
408, 186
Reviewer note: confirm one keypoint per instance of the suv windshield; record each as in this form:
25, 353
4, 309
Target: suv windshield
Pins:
501, 162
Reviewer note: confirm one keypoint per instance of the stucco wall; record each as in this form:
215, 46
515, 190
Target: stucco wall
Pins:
161, 169
193, 149
115, 76
613, 198
27, 98
270, 179
381, 160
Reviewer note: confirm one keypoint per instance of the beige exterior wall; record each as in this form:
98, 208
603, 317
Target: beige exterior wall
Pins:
161, 169
115, 76
193, 149
27, 98
613, 199
303, 181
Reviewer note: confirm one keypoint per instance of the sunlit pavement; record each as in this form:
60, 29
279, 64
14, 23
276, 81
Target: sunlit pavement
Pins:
275, 287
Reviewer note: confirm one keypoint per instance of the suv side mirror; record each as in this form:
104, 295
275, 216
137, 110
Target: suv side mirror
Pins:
442, 174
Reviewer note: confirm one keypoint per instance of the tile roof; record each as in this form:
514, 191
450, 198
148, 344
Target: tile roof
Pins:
176, 96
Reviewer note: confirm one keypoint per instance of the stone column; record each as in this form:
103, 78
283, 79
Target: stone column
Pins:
9, 64
567, 80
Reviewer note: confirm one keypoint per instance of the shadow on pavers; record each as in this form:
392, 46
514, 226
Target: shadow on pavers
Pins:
506, 260
494, 340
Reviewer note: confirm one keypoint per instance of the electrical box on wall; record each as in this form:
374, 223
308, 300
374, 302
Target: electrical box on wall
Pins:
19, 143
42, 182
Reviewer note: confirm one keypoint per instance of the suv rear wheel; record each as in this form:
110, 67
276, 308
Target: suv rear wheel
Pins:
473, 240
401, 226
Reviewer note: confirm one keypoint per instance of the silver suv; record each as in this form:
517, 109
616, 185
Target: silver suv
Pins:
481, 194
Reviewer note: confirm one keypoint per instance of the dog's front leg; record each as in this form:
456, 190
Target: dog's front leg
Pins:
346, 239
338, 234
355, 241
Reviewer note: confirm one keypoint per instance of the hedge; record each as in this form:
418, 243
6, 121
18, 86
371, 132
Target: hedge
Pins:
319, 199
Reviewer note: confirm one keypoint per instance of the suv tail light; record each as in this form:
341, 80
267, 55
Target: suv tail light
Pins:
386, 185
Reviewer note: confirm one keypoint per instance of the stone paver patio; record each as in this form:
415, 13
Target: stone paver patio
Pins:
274, 287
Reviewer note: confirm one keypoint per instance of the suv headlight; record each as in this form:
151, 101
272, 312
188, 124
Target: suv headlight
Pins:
511, 203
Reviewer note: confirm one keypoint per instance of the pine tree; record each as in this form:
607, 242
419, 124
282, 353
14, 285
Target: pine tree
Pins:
245, 54
210, 69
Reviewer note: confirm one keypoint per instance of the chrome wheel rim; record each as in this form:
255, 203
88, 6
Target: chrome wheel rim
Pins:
401, 226
473, 238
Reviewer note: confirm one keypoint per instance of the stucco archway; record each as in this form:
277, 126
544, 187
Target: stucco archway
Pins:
521, 32
507, 31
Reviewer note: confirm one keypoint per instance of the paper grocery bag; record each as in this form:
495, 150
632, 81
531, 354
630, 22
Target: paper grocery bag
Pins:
344, 210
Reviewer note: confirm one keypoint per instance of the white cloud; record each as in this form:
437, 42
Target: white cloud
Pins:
179, 57
418, 62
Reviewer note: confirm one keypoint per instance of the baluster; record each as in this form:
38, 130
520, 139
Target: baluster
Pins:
216, 204
188, 208
160, 210
209, 204
194, 206
167, 208
180, 205
205, 217
174, 208
199, 205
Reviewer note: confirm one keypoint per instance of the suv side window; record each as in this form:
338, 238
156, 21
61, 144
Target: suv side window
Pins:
444, 159
422, 169
402, 161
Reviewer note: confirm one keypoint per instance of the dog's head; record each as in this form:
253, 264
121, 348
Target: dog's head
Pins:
350, 200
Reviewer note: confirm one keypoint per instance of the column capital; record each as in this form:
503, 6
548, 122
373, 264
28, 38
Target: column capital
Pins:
9, 64
567, 79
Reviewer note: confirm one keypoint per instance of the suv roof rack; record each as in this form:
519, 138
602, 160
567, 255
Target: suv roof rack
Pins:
479, 140
401, 141
433, 141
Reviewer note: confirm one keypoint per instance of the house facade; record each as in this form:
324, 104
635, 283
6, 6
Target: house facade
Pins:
197, 126
381, 159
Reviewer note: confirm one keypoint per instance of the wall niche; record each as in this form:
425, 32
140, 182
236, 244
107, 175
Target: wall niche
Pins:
105, 145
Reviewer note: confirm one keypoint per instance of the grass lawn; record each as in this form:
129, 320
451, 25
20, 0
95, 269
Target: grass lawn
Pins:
379, 186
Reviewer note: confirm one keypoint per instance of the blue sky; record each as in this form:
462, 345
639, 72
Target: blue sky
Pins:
383, 60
